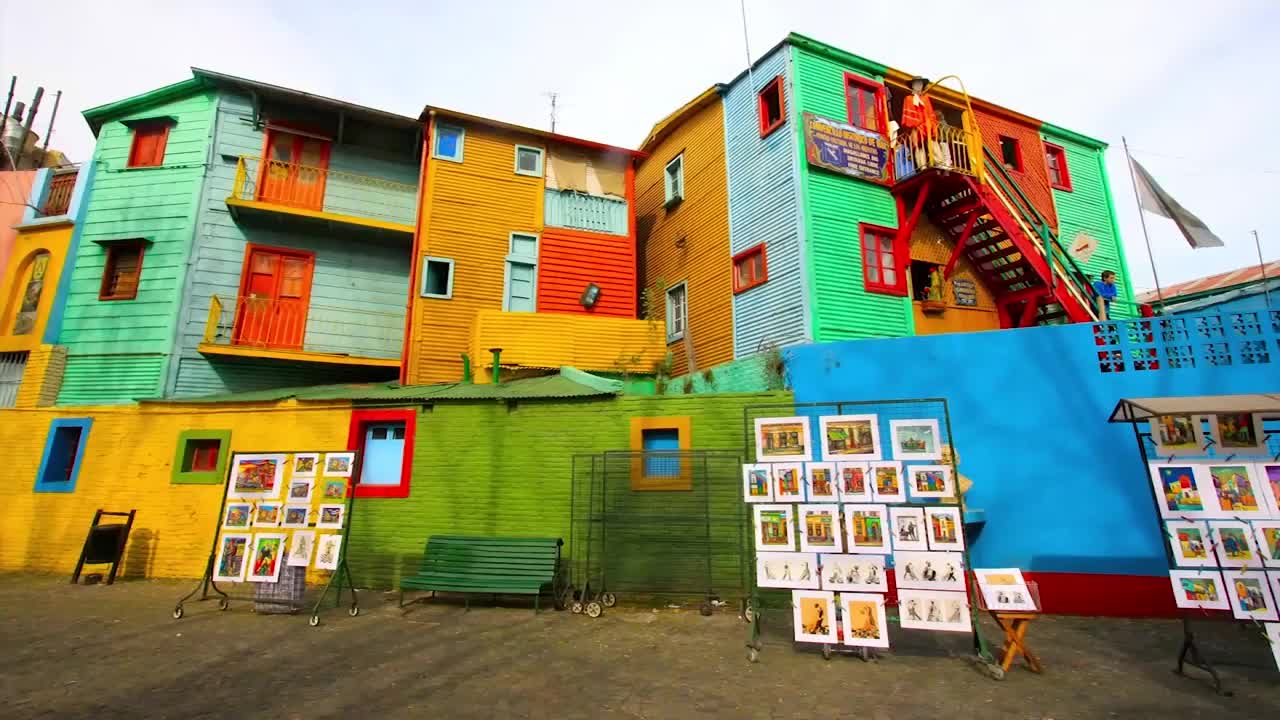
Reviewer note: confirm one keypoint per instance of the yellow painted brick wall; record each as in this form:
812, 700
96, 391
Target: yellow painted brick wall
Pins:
52, 238
550, 340
42, 378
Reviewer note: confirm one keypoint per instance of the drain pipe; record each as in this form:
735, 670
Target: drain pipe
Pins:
497, 368
466, 369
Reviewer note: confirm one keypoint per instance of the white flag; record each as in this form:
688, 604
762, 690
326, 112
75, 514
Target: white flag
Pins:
1153, 198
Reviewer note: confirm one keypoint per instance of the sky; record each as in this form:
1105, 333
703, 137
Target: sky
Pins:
1183, 80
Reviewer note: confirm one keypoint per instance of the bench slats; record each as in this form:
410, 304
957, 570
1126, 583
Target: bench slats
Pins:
500, 565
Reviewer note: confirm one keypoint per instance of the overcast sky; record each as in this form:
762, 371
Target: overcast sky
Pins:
1189, 82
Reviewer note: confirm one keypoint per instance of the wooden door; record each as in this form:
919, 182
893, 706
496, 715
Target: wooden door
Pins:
294, 170
275, 293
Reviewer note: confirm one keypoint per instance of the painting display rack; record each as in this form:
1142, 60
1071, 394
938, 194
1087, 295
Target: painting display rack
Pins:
278, 595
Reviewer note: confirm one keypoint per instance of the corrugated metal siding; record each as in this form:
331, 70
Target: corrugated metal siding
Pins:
762, 209
200, 376
1034, 177
701, 222
552, 340
833, 206
570, 259
594, 213
108, 379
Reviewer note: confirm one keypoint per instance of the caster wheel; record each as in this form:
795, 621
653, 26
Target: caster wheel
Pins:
354, 611
609, 599
705, 609
224, 603
758, 644
576, 607
753, 655
749, 614
826, 652
594, 609
177, 613
314, 620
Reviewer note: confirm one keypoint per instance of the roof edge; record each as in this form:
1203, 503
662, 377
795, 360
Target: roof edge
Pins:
1072, 135
96, 116
663, 127
427, 110
833, 52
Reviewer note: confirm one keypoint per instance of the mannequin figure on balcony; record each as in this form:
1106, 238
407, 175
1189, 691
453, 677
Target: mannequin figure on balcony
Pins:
919, 117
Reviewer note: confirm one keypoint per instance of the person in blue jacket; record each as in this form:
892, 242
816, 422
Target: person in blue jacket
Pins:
1106, 290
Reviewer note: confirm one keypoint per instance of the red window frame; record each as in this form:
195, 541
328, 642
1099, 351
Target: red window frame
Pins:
877, 89
1017, 152
749, 255
774, 86
355, 441
148, 145
1052, 152
204, 454
873, 256
109, 269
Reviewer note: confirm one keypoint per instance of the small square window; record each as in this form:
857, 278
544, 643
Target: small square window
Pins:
384, 441
771, 107
437, 278
149, 141
749, 269
677, 312
1011, 153
883, 262
63, 453
200, 458
1056, 159
528, 160
449, 141
121, 272
524, 245
673, 181
201, 455
657, 463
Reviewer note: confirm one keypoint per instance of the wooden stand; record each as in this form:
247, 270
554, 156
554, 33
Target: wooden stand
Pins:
1015, 626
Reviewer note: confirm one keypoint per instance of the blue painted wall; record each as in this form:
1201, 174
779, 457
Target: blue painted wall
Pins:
762, 209
1063, 490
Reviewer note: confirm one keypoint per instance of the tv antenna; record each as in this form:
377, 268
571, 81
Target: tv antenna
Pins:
554, 97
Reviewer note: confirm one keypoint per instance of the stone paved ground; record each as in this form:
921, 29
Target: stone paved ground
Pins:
106, 652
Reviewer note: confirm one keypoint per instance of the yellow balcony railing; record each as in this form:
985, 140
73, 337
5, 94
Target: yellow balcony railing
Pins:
550, 340
950, 148
322, 190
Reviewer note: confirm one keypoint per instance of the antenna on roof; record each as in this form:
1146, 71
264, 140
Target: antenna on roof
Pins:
554, 96
746, 43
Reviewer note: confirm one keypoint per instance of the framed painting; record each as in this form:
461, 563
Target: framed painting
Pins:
339, 464
1238, 433
820, 528
1267, 534
295, 516
238, 516
863, 618
929, 570
852, 484
1233, 542
934, 610
930, 481
886, 481
860, 573
814, 615
908, 528
915, 439
331, 516
757, 483
334, 490
267, 514
773, 527
301, 546
945, 528
1178, 490
1176, 435
1005, 589
305, 465
1235, 490
233, 552
1250, 594
256, 477
783, 439
328, 550
1273, 578
300, 491
850, 437
822, 481
1190, 542
267, 557
788, 482
1269, 480
867, 527
787, 570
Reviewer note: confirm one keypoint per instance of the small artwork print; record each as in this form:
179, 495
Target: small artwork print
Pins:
850, 437
267, 514
861, 573
814, 615
929, 570
300, 490
945, 529
822, 481
328, 550
238, 515
820, 528
305, 464
1005, 589
915, 439
930, 481
773, 527
787, 570
1234, 544
757, 483
1177, 435
256, 476
934, 610
1271, 487
1198, 589
1250, 595
863, 617
300, 547
784, 439
1239, 433
886, 482
334, 489
788, 482
908, 528
1267, 533
331, 516
233, 551
1178, 491
852, 483
1189, 540
295, 516
267, 557
867, 527
1234, 489
339, 464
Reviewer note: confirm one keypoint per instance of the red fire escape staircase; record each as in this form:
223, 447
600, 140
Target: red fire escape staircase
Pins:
1008, 242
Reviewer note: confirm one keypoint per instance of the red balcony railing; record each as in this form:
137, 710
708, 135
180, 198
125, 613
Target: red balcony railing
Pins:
58, 199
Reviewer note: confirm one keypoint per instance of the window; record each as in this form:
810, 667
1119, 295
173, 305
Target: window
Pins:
528, 160
663, 471
437, 278
866, 102
673, 181
384, 442
449, 140
24, 321
1011, 153
677, 312
520, 283
149, 140
12, 366
771, 107
122, 271
63, 452
1056, 158
275, 297
201, 457
749, 269
882, 261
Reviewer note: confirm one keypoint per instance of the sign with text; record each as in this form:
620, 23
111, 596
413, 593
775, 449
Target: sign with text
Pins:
966, 292
846, 149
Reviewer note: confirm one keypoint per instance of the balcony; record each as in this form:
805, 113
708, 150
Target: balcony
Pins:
552, 340
953, 150
580, 211
321, 196
289, 330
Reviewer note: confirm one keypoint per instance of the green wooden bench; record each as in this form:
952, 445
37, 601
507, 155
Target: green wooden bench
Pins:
489, 565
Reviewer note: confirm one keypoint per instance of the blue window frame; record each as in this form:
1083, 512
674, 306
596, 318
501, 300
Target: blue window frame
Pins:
661, 439
63, 453
448, 142
383, 459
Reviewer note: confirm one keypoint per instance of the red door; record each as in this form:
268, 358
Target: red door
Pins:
274, 294
294, 170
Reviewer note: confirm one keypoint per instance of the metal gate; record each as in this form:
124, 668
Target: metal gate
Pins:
12, 366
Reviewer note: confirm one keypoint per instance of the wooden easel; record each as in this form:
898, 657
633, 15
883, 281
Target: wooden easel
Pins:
1015, 626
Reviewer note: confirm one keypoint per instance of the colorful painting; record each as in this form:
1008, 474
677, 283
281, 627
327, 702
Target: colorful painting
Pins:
945, 528
300, 490
1250, 595
238, 515
1005, 589
867, 527
295, 516
328, 552
863, 618
267, 514
1267, 533
930, 481
934, 610
788, 482
1190, 543
850, 437
852, 484
909, 531
1177, 435
1178, 491
886, 481
1233, 543
757, 483
1234, 489
915, 439
822, 481
339, 464
929, 570
334, 489
267, 557
861, 573
784, 439
233, 550
773, 527
256, 476
305, 465
301, 546
1238, 433
814, 615
820, 528
1270, 482
1198, 589
787, 570
331, 516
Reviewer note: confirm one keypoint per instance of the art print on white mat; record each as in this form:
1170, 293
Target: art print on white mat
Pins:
774, 527
820, 528
945, 528
930, 481
814, 615
1191, 543
916, 439
267, 514
1180, 492
1267, 534
1269, 480
1198, 589
295, 516
909, 532
256, 476
267, 557
328, 550
233, 557
822, 481
934, 610
331, 516
787, 570
1250, 595
305, 465
859, 573
783, 439
339, 464
1235, 490
757, 483
854, 484
1238, 433
1005, 589
1176, 435
850, 437
238, 516
863, 618
300, 491
1233, 544
868, 529
301, 546
886, 481
788, 482
929, 570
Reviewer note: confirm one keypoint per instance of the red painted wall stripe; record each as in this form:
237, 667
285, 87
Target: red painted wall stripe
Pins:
570, 259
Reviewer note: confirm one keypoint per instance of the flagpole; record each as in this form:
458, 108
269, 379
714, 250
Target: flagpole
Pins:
1262, 267
1128, 159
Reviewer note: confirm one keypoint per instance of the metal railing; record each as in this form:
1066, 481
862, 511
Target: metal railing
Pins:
950, 149
58, 200
290, 324
570, 209
320, 189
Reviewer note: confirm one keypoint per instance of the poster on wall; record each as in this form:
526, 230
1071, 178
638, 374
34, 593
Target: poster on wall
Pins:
783, 439
845, 149
850, 437
256, 476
